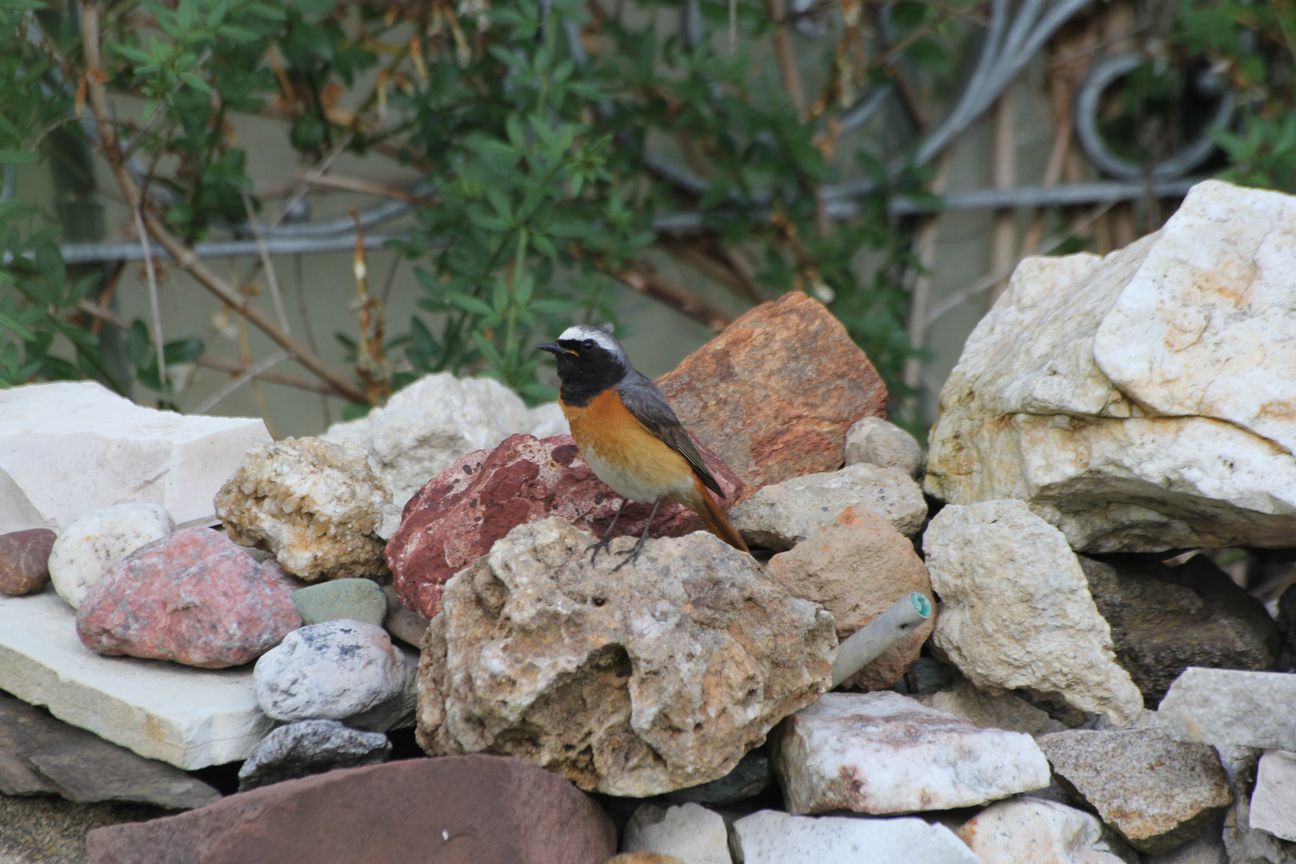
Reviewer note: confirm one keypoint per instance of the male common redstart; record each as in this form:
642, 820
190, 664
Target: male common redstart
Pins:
627, 432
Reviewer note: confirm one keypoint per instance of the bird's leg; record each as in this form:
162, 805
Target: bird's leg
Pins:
634, 552
607, 535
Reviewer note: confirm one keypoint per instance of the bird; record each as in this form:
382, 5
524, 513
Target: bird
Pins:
630, 437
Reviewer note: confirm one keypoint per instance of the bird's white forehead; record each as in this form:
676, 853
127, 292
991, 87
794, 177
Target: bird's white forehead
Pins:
579, 332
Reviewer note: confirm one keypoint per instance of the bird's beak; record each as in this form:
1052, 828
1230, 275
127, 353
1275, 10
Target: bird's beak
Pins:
552, 348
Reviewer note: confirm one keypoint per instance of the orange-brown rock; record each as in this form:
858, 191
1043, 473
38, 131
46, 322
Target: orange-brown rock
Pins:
774, 394
857, 567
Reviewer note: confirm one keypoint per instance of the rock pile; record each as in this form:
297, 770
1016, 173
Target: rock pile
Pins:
1093, 687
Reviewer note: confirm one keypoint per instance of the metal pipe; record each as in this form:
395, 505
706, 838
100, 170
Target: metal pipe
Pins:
867, 643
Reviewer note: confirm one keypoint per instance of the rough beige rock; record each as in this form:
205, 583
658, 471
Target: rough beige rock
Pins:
637, 681
882, 753
1016, 611
770, 837
1157, 792
1231, 707
689, 832
991, 710
857, 567
431, 422
1144, 400
784, 514
875, 441
313, 504
1039, 832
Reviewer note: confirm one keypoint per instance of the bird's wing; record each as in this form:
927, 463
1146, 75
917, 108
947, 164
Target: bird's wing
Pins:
650, 408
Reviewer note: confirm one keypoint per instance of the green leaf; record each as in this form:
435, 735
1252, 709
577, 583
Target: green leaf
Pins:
474, 305
489, 351
18, 157
182, 350
139, 349
16, 328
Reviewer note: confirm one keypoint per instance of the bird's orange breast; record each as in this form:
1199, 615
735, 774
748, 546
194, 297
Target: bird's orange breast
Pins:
623, 453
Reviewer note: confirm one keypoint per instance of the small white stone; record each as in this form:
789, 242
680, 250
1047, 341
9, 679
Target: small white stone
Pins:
770, 837
875, 441
1016, 612
70, 447
1231, 707
1038, 832
1273, 803
331, 670
781, 515
92, 543
690, 832
882, 753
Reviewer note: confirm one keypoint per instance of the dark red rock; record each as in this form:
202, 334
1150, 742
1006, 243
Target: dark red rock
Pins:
24, 561
775, 393
450, 810
461, 512
194, 597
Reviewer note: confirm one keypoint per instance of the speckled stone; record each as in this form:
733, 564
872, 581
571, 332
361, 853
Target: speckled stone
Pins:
24, 561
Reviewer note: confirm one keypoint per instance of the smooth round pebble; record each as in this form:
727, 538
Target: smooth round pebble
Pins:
331, 670
24, 561
357, 599
874, 441
94, 542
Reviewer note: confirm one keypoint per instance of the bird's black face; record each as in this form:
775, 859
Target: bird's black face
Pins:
585, 368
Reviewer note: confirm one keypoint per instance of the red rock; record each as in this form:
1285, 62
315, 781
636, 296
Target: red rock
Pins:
774, 394
460, 513
857, 567
24, 561
194, 597
451, 810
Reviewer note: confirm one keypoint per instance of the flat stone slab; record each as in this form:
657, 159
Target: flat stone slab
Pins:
1230, 707
69, 447
188, 717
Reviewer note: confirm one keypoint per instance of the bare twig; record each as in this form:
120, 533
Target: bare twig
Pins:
271, 277
641, 277
367, 187
155, 309
183, 255
238, 369
224, 391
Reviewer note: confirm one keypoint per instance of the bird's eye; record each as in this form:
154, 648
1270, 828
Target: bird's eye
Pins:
588, 344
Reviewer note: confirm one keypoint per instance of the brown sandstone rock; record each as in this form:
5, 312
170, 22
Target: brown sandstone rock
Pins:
459, 810
24, 561
857, 567
455, 518
775, 393
654, 677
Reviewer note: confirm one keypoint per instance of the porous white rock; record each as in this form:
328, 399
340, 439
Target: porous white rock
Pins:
993, 710
1273, 803
92, 543
875, 441
1230, 707
781, 515
191, 718
70, 447
690, 832
882, 753
1016, 612
1039, 832
770, 837
429, 424
1144, 400
331, 670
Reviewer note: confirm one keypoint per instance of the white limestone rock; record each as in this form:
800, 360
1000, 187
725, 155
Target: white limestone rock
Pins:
188, 717
875, 441
429, 424
1273, 803
331, 670
781, 515
1016, 612
991, 710
1040, 832
1230, 707
690, 832
70, 447
92, 543
881, 753
770, 837
1145, 400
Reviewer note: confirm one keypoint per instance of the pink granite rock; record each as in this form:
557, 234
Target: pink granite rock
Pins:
460, 513
194, 597
24, 561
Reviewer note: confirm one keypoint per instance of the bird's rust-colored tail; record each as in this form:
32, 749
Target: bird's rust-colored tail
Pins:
713, 516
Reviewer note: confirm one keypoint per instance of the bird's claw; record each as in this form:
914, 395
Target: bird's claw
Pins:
597, 547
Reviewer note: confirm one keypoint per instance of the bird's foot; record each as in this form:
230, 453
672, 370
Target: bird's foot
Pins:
631, 554
598, 546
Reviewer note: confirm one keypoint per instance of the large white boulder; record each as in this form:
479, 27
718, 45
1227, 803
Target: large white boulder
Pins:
71, 447
1144, 400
